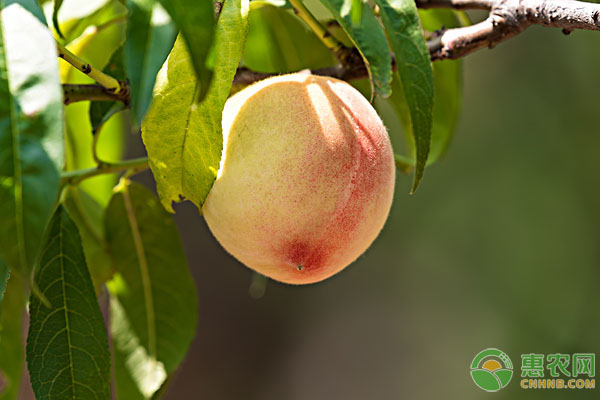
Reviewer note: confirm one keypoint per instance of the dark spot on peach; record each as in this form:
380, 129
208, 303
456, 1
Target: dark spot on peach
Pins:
304, 256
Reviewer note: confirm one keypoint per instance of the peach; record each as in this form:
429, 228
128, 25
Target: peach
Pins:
306, 179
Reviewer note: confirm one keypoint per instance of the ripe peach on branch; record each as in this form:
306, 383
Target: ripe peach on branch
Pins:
306, 179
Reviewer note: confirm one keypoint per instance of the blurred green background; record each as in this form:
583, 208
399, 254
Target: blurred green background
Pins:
498, 248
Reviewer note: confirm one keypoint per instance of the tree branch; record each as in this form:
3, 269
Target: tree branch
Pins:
111, 84
457, 4
74, 177
73, 93
347, 72
508, 18
351, 68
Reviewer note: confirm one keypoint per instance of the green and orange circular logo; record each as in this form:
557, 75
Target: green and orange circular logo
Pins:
491, 370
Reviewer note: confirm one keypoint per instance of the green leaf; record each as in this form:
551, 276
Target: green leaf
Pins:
102, 111
447, 104
116, 65
184, 139
67, 348
150, 38
30, 5
153, 297
196, 21
96, 47
369, 39
76, 16
31, 127
88, 215
57, 4
447, 100
356, 12
401, 20
447, 79
276, 3
399, 104
138, 376
11, 338
278, 41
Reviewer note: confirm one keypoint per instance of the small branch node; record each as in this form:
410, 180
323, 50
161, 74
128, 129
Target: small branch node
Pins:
218, 7
107, 81
73, 93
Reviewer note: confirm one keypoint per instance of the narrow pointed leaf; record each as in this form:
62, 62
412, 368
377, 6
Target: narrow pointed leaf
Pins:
138, 375
11, 338
356, 12
67, 348
100, 114
446, 106
447, 99
196, 22
31, 123
279, 41
88, 215
401, 20
447, 78
101, 111
57, 4
369, 39
150, 38
183, 139
153, 297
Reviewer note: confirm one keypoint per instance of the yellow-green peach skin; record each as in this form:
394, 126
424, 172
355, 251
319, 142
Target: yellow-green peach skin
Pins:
306, 180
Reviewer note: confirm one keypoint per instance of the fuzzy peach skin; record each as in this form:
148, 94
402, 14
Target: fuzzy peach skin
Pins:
306, 179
